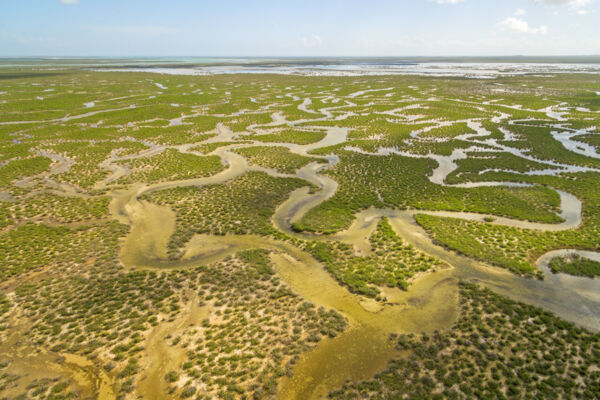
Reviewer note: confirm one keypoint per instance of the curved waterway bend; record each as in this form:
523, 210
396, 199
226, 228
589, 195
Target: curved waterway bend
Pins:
358, 353
586, 287
564, 296
364, 348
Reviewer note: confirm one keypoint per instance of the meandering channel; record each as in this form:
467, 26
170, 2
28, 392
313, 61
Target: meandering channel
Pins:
364, 348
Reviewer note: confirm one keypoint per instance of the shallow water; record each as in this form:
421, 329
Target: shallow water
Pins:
569, 141
587, 287
374, 67
568, 301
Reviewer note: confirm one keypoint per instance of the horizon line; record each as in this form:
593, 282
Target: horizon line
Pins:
298, 56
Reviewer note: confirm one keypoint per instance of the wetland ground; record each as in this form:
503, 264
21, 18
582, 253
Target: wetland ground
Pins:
292, 237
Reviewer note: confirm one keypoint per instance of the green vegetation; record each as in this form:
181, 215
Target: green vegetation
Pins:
140, 114
49, 389
256, 330
518, 249
244, 205
290, 136
18, 169
401, 182
540, 144
293, 113
243, 121
34, 246
575, 265
80, 145
275, 157
499, 245
4, 304
470, 169
87, 156
591, 139
207, 148
173, 135
53, 209
391, 263
448, 132
171, 165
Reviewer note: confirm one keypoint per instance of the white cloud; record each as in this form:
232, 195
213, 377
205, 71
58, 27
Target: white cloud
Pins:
519, 25
449, 1
572, 3
313, 40
70, 2
577, 6
520, 12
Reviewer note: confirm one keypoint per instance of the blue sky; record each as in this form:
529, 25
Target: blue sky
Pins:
298, 27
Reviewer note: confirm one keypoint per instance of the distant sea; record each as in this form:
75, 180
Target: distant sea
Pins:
442, 67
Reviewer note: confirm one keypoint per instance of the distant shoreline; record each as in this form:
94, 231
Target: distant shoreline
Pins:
242, 60
480, 68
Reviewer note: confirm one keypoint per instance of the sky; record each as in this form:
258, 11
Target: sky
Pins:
272, 28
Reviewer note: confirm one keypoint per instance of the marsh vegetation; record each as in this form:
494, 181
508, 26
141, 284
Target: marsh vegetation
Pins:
230, 187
